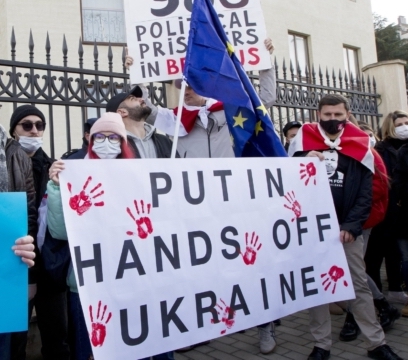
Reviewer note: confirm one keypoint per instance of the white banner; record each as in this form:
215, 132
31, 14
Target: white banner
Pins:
157, 35
169, 253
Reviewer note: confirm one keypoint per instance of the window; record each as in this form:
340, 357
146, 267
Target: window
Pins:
103, 21
351, 62
298, 53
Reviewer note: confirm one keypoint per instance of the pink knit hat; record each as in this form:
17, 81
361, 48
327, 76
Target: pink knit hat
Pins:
110, 122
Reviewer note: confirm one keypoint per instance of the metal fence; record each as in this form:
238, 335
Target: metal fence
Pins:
68, 88
298, 94
65, 86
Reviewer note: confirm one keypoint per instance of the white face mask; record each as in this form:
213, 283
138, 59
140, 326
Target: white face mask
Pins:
106, 150
372, 141
402, 132
30, 144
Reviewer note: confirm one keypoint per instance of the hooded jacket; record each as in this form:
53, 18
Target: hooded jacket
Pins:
154, 144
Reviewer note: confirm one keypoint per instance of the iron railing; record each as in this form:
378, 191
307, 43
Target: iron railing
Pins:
298, 94
65, 86
70, 88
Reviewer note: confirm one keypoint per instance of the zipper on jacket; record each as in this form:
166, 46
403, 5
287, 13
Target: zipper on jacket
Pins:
208, 138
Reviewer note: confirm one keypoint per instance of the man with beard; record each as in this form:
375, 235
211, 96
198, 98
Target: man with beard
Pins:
142, 137
145, 141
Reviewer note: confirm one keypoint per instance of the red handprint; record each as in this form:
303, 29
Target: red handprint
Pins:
227, 316
294, 204
82, 202
335, 273
98, 328
308, 171
251, 250
144, 225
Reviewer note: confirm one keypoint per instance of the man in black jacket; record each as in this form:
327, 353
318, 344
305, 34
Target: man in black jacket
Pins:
144, 139
27, 125
349, 164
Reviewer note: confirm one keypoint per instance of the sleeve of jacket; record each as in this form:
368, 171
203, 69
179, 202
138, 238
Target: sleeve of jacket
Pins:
267, 83
152, 117
360, 211
32, 214
400, 176
380, 179
32, 209
55, 214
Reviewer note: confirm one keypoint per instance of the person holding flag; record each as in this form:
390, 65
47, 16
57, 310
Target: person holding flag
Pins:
236, 123
203, 130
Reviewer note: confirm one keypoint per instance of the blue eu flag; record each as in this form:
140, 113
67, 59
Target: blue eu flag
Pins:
213, 70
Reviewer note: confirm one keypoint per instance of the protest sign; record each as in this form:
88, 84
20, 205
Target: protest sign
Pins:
157, 36
13, 272
169, 253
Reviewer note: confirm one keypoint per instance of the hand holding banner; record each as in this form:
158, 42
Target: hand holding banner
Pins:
13, 272
157, 36
183, 251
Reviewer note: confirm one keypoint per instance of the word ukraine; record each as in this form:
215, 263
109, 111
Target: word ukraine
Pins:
190, 250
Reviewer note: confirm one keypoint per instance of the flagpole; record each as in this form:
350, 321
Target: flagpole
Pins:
178, 121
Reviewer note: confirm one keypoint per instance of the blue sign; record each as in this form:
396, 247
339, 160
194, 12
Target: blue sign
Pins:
13, 272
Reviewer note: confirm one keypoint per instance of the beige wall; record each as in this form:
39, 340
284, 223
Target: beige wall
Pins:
330, 24
390, 80
58, 17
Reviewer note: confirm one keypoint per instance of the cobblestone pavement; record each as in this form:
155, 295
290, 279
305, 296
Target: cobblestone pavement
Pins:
295, 342
293, 338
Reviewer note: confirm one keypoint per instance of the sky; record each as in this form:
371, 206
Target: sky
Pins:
390, 9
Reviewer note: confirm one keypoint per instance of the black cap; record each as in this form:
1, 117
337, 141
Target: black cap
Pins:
88, 124
115, 101
21, 112
291, 125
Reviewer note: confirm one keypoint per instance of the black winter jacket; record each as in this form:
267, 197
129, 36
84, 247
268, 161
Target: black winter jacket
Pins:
400, 187
388, 150
357, 197
41, 164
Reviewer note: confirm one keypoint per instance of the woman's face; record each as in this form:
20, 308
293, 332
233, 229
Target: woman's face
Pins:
401, 121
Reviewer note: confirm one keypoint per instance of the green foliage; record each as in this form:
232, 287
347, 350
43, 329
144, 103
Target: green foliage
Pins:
389, 44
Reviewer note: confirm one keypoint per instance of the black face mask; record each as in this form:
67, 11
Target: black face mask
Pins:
332, 126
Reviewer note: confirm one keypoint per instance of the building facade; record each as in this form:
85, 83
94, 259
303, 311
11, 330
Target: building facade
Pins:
333, 34
403, 27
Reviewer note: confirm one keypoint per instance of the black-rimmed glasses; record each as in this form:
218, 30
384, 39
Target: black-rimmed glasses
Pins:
113, 138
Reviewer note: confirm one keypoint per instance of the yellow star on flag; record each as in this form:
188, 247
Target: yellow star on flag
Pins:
230, 49
258, 127
263, 109
239, 120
